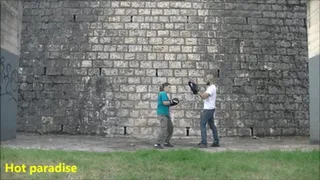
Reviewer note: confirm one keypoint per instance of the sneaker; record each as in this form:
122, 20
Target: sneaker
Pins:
158, 146
168, 145
201, 145
215, 145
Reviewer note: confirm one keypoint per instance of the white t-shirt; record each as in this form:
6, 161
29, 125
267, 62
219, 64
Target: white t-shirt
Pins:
210, 102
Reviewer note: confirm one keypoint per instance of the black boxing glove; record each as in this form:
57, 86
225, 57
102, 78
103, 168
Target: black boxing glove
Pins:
174, 101
194, 87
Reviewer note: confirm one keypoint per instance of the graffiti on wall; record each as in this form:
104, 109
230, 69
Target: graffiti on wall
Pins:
8, 79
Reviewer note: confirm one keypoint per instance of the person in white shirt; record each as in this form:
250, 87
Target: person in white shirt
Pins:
209, 98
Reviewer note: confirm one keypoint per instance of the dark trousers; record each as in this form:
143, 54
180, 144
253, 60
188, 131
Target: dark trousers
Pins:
207, 117
166, 129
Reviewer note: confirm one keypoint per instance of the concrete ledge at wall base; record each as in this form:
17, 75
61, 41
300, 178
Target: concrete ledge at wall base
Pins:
154, 136
183, 132
315, 142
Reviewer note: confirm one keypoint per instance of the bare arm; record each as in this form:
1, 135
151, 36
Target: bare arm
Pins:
167, 103
204, 95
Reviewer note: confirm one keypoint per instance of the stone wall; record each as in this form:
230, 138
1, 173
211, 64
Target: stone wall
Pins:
96, 66
11, 23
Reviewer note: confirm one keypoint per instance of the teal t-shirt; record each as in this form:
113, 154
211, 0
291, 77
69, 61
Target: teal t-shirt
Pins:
162, 109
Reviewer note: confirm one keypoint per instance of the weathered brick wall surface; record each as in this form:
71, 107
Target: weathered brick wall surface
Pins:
90, 66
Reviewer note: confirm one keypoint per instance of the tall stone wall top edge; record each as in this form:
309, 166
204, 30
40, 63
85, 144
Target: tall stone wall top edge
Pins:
40, 3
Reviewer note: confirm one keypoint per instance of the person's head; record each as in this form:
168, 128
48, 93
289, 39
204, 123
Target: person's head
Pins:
209, 79
165, 87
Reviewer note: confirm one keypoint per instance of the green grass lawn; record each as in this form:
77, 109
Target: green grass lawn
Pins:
171, 164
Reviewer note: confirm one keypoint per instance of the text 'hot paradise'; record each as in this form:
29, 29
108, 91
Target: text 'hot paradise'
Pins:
60, 168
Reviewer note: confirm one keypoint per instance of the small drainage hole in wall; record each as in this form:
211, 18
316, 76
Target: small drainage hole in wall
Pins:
187, 131
100, 71
61, 129
251, 131
157, 72
74, 18
125, 130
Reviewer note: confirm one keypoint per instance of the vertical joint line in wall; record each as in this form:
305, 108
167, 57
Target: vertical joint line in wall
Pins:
157, 72
131, 18
247, 20
100, 71
187, 19
305, 23
218, 73
45, 71
74, 18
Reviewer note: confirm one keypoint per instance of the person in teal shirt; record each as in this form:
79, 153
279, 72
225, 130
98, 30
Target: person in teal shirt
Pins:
163, 113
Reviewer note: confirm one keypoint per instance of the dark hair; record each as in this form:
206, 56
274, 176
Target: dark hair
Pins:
164, 85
